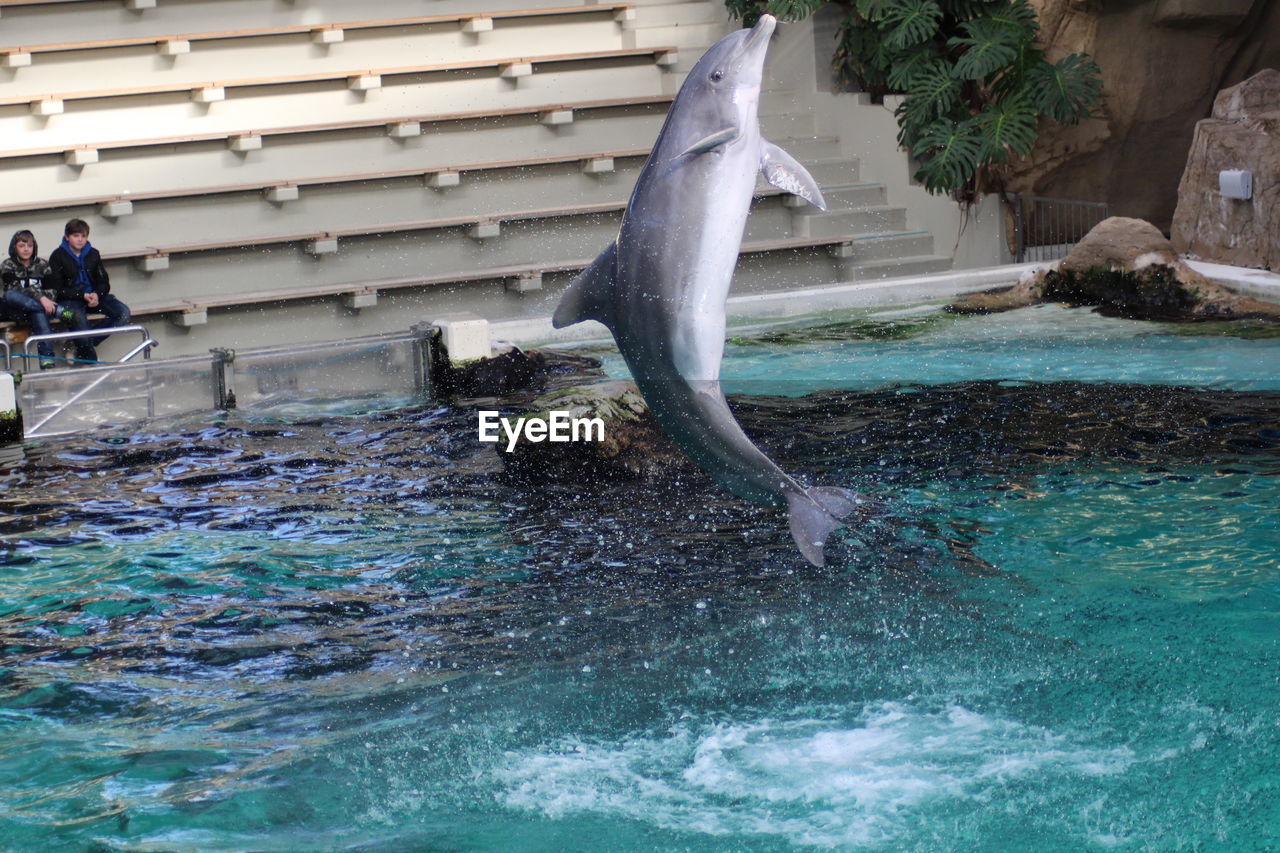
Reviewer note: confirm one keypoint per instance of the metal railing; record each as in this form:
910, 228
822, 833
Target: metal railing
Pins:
144, 347
279, 378
1046, 229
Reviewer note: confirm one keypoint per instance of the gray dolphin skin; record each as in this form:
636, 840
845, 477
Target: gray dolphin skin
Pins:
661, 286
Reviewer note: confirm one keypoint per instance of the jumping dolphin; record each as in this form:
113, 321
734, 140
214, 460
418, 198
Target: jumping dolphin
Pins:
661, 286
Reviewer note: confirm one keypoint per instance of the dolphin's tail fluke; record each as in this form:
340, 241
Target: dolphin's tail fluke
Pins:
814, 514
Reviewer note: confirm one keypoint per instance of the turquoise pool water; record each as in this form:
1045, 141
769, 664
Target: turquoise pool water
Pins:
312, 631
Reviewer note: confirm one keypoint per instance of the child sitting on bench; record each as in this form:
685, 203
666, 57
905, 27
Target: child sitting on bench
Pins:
80, 281
26, 300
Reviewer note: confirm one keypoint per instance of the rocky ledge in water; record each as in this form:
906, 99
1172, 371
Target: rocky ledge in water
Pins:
628, 442
1126, 268
631, 445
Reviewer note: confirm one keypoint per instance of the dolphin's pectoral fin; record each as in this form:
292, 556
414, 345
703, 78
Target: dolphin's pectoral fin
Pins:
589, 295
715, 140
814, 514
782, 170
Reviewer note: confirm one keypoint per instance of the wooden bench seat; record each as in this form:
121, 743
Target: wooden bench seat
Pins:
346, 74
6, 3
321, 180
156, 308
618, 10
338, 126
14, 334
194, 305
371, 227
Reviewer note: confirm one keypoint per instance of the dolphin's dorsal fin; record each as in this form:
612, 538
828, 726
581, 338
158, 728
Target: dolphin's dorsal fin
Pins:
589, 295
782, 170
707, 143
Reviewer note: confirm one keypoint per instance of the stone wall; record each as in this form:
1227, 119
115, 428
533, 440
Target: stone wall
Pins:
1163, 63
1243, 133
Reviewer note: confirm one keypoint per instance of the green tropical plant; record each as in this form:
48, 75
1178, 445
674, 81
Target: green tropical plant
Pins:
974, 82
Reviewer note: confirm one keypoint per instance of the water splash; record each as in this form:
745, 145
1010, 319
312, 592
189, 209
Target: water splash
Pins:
826, 782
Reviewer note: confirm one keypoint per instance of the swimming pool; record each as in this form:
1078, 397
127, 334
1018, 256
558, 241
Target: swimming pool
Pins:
331, 631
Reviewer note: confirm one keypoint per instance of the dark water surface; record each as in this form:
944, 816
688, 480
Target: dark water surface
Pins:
1057, 631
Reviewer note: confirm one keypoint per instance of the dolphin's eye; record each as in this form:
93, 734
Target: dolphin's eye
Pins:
717, 75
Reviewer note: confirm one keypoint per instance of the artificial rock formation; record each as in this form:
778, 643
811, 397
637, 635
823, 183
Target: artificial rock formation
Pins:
1126, 268
1163, 62
634, 446
1244, 133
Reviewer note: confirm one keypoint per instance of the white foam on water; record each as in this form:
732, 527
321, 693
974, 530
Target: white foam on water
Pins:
826, 782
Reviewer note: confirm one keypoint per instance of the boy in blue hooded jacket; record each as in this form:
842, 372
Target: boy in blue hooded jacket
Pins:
80, 283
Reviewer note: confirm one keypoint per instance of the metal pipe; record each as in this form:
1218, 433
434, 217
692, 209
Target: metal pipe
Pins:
1020, 237
144, 348
72, 401
223, 397
87, 333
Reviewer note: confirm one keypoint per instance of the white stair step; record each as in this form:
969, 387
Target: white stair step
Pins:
692, 38
839, 172
893, 246
898, 267
784, 125
862, 195
780, 101
843, 197
682, 14
808, 147
866, 220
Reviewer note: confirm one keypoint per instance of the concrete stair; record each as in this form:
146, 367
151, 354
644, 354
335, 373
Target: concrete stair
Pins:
672, 15
898, 267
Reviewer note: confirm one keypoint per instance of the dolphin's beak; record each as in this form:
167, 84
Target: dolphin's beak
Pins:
761, 31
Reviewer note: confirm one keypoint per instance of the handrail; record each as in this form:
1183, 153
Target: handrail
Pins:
145, 347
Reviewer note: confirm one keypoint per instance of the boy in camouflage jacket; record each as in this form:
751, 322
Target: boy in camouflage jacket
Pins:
25, 299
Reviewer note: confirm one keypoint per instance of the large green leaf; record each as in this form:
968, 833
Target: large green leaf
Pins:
861, 54
949, 153
1066, 90
871, 9
932, 93
908, 65
989, 46
1007, 125
909, 22
1013, 78
1017, 15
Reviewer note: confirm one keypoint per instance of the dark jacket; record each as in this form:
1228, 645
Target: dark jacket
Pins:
32, 278
63, 278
